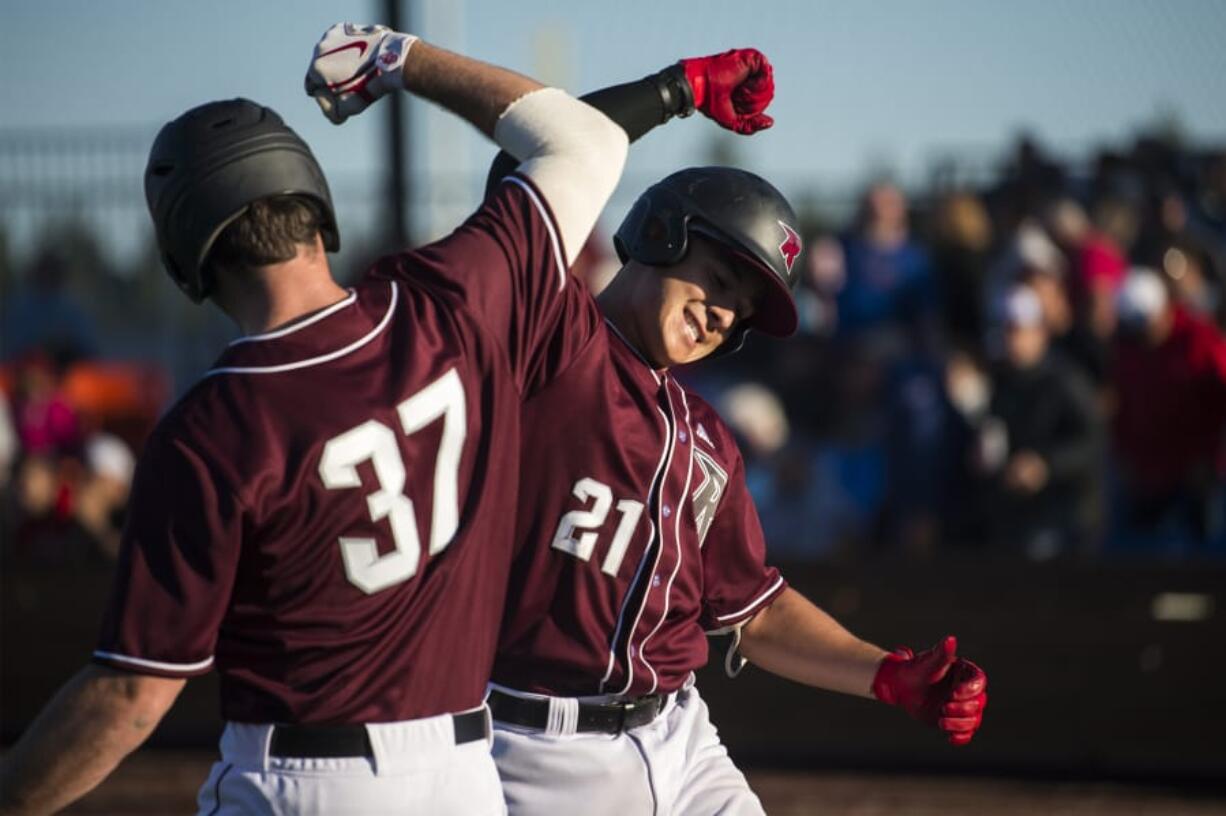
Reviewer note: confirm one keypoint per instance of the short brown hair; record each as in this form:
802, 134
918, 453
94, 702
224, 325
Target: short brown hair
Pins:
268, 232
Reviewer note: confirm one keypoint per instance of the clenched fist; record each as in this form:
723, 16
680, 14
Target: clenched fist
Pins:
353, 65
733, 88
935, 687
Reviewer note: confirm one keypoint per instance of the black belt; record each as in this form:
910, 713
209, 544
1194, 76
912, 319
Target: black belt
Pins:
604, 718
309, 741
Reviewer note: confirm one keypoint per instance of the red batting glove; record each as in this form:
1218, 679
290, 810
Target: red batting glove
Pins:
935, 687
733, 88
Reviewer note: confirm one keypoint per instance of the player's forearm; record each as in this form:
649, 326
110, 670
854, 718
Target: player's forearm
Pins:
97, 718
795, 639
636, 107
474, 90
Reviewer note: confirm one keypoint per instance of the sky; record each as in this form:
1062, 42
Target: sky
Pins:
860, 86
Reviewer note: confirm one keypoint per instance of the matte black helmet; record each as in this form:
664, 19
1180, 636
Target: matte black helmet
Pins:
208, 166
736, 208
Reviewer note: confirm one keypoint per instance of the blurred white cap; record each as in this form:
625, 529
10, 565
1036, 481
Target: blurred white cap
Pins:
1020, 307
1142, 296
108, 455
757, 414
1036, 251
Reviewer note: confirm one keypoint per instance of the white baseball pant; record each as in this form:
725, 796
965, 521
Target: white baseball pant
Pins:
416, 769
673, 766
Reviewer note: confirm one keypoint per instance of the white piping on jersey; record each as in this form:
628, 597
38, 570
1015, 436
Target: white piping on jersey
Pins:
621, 615
668, 589
753, 603
155, 664
315, 318
670, 442
548, 219
630, 346
657, 481
323, 358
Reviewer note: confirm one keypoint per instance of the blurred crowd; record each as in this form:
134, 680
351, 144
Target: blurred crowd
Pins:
69, 425
1035, 368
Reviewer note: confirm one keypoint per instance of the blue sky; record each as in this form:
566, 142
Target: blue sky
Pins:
859, 84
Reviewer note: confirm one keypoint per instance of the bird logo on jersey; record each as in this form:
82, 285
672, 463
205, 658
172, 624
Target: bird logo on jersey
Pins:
790, 248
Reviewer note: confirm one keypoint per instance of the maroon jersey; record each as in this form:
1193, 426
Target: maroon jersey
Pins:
637, 531
325, 517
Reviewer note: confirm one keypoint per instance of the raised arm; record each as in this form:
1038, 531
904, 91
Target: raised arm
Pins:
571, 152
732, 89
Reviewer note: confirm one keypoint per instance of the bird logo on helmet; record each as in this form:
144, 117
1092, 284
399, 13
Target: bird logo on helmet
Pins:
790, 247
208, 166
734, 207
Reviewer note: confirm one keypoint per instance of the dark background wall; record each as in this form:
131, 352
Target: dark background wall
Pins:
1084, 680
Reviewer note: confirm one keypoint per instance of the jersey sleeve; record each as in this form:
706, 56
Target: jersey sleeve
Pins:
737, 583
176, 567
505, 265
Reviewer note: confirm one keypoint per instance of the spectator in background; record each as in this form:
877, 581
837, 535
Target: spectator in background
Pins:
1034, 259
1166, 220
1209, 201
46, 424
1119, 221
817, 294
43, 316
915, 440
101, 497
1178, 240
804, 511
962, 235
1097, 263
69, 512
1194, 282
1170, 378
1043, 481
889, 282
971, 435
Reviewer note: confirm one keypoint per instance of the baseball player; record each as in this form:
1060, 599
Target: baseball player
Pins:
322, 518
638, 534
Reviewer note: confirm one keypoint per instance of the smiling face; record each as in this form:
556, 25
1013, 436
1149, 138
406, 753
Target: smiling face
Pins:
681, 313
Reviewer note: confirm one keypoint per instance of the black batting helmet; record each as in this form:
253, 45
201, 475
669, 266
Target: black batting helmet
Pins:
208, 166
736, 208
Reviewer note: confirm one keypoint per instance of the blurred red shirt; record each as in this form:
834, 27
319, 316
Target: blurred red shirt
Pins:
1172, 405
1100, 264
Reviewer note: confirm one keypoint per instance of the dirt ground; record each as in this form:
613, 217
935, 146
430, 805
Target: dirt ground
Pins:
164, 783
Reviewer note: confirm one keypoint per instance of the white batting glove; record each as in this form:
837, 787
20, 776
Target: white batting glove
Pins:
353, 65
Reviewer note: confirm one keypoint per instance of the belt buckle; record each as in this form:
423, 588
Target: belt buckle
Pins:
650, 706
627, 708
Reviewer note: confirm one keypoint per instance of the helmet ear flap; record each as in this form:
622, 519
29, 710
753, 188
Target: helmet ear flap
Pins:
655, 232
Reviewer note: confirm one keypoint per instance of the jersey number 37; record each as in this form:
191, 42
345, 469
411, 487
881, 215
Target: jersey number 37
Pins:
374, 442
